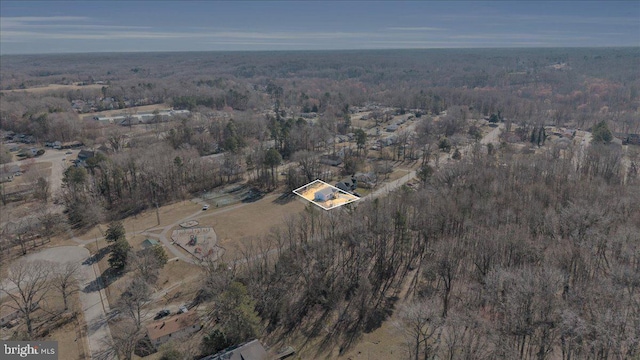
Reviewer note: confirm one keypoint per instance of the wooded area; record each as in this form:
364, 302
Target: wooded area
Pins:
521, 246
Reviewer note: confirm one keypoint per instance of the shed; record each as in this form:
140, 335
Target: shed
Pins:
147, 243
332, 160
324, 194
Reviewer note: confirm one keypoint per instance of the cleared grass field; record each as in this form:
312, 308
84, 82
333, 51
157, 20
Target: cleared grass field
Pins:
55, 87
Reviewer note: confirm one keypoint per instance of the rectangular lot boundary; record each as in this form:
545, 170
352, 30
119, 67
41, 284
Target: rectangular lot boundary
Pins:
324, 195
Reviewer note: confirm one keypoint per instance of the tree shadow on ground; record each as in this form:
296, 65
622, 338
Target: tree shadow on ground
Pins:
285, 198
103, 281
97, 257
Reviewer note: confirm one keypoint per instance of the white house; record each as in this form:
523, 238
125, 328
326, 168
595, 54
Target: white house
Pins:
324, 194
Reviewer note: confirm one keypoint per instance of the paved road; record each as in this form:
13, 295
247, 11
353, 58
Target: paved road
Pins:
491, 137
94, 302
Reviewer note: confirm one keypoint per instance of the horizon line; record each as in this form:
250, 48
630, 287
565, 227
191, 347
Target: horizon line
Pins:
326, 50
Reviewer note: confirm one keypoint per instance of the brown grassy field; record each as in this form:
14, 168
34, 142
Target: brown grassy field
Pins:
134, 110
72, 341
169, 214
54, 87
236, 228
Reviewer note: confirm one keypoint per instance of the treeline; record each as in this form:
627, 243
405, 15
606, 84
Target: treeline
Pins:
499, 256
550, 85
124, 184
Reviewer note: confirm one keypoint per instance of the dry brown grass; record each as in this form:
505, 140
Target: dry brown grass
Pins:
176, 271
236, 228
72, 341
31, 172
54, 87
134, 110
169, 214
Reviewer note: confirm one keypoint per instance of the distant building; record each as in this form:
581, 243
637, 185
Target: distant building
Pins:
344, 186
366, 180
86, 154
388, 141
252, 350
392, 128
175, 327
332, 160
141, 118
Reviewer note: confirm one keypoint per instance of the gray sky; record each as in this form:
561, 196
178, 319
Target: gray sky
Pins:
100, 26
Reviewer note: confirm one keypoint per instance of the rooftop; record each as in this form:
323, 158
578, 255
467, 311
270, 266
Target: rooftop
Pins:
340, 197
252, 350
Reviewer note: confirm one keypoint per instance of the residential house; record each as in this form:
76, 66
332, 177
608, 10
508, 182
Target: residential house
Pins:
252, 350
388, 141
392, 128
332, 160
344, 186
366, 180
86, 154
324, 194
70, 145
176, 327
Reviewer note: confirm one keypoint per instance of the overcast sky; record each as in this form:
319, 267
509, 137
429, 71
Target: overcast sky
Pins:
97, 26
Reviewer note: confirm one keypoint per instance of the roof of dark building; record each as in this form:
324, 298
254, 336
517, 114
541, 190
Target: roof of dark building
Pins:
252, 350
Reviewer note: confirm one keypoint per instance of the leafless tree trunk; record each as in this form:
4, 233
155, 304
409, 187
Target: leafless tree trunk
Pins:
134, 299
28, 283
63, 280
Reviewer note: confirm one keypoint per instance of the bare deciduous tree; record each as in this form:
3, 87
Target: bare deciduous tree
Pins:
422, 327
63, 280
28, 284
133, 300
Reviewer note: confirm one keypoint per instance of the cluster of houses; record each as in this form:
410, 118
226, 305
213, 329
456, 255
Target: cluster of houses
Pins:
58, 145
141, 118
11, 136
106, 103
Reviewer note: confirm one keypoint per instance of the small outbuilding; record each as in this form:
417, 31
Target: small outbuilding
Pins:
148, 243
323, 195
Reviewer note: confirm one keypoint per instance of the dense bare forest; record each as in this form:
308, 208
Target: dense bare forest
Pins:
528, 258
518, 250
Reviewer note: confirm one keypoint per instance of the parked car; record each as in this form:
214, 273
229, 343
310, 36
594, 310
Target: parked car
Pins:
206, 207
161, 314
183, 309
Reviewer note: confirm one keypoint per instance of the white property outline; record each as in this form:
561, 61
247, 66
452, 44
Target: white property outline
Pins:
351, 197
